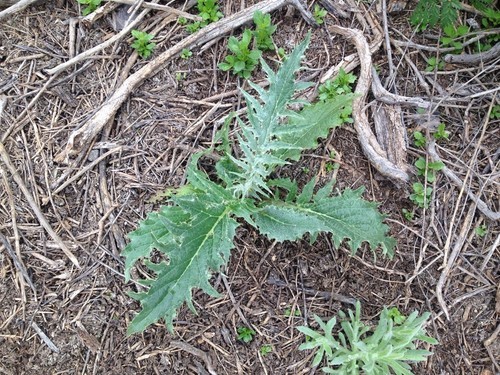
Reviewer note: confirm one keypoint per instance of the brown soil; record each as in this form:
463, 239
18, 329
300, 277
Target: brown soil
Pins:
85, 312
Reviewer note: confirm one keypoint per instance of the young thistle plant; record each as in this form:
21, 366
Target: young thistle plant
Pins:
195, 230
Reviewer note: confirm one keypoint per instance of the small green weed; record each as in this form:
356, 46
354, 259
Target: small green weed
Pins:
245, 334
429, 169
244, 60
319, 14
340, 85
360, 349
441, 133
281, 53
91, 5
481, 230
209, 11
452, 35
265, 350
394, 314
408, 215
330, 167
142, 43
434, 64
495, 112
419, 139
421, 195
182, 21
186, 54
180, 76
264, 29
289, 312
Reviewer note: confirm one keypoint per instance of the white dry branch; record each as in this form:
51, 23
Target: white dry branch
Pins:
371, 147
98, 121
17, 7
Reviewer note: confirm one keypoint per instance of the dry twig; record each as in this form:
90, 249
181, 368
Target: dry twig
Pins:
372, 149
17, 7
196, 352
41, 218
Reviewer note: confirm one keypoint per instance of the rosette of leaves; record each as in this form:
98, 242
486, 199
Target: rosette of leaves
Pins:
358, 349
244, 59
194, 232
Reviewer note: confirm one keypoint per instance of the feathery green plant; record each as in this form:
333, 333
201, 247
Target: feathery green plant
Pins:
195, 231
429, 13
359, 349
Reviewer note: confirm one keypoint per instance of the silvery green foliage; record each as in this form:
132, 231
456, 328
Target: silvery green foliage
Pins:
195, 231
357, 349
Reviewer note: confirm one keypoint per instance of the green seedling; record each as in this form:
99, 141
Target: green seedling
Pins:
195, 229
265, 350
481, 230
419, 139
441, 133
245, 334
243, 60
209, 11
434, 64
281, 53
91, 6
319, 14
359, 349
428, 169
340, 85
182, 21
180, 76
394, 314
264, 30
330, 167
408, 215
142, 43
288, 312
421, 195
452, 35
495, 112
186, 54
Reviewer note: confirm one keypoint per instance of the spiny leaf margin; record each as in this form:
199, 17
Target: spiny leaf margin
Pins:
195, 231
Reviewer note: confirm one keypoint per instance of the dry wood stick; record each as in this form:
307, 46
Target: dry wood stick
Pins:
161, 7
107, 111
371, 148
481, 205
450, 261
17, 7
